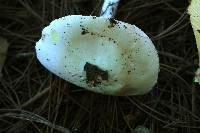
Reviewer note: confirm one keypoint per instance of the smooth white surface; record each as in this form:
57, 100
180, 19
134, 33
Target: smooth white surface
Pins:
121, 49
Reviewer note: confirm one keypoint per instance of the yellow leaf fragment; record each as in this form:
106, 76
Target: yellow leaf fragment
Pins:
194, 12
54, 36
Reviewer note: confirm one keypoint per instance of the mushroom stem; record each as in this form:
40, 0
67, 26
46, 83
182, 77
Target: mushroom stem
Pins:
109, 8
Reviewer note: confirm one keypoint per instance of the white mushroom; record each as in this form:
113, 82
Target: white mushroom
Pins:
99, 54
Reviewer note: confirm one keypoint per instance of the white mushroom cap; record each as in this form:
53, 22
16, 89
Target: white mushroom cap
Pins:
99, 54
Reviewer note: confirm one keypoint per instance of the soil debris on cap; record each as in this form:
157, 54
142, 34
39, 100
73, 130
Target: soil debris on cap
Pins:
94, 74
113, 22
84, 31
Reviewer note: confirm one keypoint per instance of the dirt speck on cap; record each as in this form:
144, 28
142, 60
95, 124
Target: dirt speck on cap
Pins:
113, 22
84, 31
94, 74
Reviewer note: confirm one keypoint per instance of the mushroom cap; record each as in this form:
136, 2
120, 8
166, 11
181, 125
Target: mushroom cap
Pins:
99, 54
